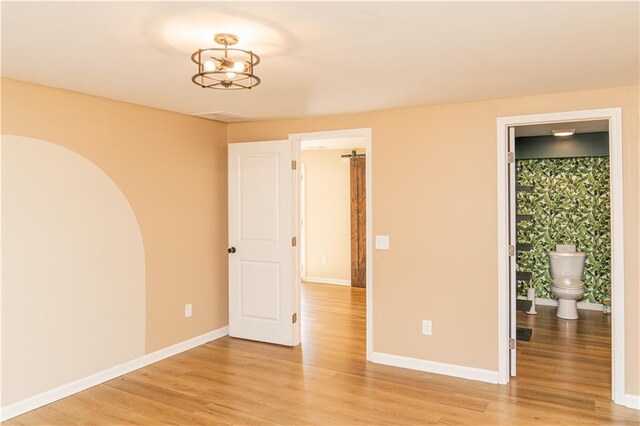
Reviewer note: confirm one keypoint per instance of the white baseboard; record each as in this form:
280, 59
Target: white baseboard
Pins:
68, 389
322, 280
581, 305
463, 372
632, 401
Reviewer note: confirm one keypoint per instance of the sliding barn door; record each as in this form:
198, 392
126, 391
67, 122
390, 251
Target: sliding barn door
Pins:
261, 252
358, 223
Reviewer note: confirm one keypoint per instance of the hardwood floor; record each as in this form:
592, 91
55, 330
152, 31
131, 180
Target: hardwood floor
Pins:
564, 356
326, 380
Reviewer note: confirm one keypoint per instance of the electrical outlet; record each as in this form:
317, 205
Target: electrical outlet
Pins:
426, 327
188, 310
323, 261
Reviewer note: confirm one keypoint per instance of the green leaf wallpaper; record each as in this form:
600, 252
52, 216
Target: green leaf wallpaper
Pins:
570, 205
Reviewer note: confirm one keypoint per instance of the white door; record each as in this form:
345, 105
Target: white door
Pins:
261, 252
512, 251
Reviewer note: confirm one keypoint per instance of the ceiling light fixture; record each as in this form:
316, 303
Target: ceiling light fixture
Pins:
225, 68
566, 132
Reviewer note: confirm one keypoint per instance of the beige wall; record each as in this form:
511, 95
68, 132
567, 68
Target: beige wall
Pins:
172, 169
434, 193
327, 214
73, 280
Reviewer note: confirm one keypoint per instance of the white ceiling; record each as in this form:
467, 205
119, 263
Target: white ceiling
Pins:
324, 58
579, 126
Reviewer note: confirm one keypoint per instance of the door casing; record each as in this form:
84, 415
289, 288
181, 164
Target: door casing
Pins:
303, 232
365, 133
614, 116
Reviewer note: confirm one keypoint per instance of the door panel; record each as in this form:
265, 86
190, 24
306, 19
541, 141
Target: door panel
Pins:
261, 276
260, 290
259, 192
358, 223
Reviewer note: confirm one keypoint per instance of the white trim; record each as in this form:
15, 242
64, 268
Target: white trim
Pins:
632, 401
1, 283
618, 367
581, 305
321, 280
79, 385
504, 289
303, 222
470, 373
367, 135
614, 115
296, 337
369, 218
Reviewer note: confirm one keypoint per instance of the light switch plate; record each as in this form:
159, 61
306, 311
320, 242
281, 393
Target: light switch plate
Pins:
426, 327
188, 310
382, 242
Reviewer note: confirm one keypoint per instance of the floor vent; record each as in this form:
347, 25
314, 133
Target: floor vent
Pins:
223, 116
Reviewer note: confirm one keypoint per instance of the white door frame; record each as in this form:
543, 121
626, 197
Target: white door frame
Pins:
614, 115
365, 133
303, 223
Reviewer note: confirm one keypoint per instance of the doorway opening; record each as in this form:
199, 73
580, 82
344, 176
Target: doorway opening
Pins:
334, 217
333, 211
561, 277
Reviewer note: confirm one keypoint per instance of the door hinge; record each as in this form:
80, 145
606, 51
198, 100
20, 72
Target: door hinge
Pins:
294, 318
512, 344
511, 157
294, 241
512, 250
294, 165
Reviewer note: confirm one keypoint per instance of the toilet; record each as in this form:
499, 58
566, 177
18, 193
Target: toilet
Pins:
566, 266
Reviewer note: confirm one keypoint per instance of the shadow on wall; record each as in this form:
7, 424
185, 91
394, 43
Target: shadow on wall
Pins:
73, 270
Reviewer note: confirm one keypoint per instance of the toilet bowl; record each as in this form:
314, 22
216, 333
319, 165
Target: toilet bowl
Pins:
567, 300
566, 266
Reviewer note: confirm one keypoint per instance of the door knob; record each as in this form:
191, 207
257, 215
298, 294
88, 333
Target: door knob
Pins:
231, 250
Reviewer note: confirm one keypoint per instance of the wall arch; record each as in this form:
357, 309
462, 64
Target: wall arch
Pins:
73, 270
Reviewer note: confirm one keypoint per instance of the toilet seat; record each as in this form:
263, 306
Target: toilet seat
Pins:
567, 283
568, 288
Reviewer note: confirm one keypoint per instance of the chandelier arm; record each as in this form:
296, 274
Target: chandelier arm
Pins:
253, 58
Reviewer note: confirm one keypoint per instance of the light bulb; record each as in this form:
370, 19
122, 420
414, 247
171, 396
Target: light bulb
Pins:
209, 65
565, 132
231, 75
238, 66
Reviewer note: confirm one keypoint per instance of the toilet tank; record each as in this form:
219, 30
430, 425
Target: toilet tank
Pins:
568, 266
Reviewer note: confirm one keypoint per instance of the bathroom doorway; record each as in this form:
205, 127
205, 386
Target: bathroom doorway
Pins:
334, 213
560, 191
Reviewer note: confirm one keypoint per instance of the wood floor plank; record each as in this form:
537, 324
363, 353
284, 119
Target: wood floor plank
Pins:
563, 378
